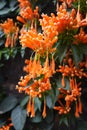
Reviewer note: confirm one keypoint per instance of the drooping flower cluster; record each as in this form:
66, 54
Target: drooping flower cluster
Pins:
73, 93
37, 80
26, 11
11, 31
37, 41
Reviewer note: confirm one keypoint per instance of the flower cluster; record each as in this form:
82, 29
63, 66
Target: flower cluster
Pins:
11, 31
26, 11
45, 44
37, 80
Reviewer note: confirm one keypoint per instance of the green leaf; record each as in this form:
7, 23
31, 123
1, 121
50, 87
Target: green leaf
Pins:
61, 51
83, 48
50, 116
2, 3
22, 52
24, 101
12, 3
8, 104
7, 56
1, 42
77, 54
49, 101
82, 125
18, 117
37, 104
37, 118
4, 11
2, 123
64, 120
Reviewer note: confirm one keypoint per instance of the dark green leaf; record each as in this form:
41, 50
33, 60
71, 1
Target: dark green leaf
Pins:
2, 3
49, 116
37, 104
8, 104
1, 42
64, 120
4, 11
77, 54
18, 117
82, 125
61, 51
22, 52
24, 101
12, 3
7, 56
49, 101
83, 48
37, 118
2, 123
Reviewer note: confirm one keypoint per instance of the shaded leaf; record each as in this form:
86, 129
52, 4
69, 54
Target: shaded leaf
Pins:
82, 125
50, 116
24, 101
4, 11
37, 104
61, 51
77, 54
2, 123
37, 118
49, 101
12, 3
8, 104
2, 3
18, 117
64, 120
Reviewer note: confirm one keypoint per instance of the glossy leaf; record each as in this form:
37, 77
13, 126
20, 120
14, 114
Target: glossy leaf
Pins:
8, 104
18, 117
2, 3
4, 11
24, 101
37, 104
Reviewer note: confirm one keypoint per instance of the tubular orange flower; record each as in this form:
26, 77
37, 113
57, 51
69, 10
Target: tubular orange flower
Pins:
38, 76
77, 110
44, 109
80, 38
26, 11
11, 31
6, 127
37, 41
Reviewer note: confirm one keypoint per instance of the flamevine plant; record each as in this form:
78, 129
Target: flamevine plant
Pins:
55, 71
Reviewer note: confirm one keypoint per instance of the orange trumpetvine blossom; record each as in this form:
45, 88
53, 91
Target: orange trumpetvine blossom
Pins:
68, 2
71, 70
26, 11
24, 3
69, 96
37, 41
37, 81
6, 127
11, 31
80, 38
63, 21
